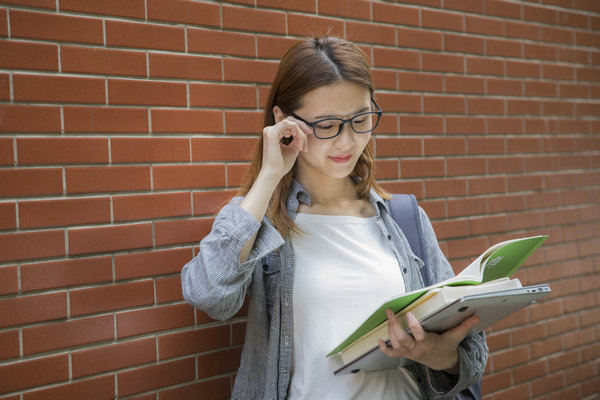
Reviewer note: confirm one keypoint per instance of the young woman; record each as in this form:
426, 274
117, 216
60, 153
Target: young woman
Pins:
311, 239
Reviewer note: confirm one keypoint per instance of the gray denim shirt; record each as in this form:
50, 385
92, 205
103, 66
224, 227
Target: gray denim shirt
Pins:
216, 282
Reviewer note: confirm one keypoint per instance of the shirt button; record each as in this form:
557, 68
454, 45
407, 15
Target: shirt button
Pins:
389, 237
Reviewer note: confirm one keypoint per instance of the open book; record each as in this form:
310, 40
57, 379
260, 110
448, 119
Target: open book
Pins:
490, 271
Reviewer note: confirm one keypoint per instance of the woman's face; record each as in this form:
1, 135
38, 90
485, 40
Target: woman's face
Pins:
336, 157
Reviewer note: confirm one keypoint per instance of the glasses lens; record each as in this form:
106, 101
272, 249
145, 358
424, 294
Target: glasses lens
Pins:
366, 122
327, 128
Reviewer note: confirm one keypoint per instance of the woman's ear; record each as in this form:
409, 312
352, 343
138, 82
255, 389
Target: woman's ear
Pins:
278, 114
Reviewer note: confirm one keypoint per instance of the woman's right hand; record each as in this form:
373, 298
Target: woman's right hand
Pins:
279, 158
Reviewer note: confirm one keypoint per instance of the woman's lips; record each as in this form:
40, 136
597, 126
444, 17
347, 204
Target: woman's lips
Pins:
341, 159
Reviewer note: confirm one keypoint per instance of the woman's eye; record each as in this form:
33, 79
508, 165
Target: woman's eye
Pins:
327, 126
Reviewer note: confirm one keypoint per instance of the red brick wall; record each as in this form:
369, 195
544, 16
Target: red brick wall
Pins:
125, 124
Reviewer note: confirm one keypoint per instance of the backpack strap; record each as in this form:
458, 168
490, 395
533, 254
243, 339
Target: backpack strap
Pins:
405, 211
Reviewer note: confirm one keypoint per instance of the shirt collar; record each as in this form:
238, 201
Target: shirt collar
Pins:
297, 195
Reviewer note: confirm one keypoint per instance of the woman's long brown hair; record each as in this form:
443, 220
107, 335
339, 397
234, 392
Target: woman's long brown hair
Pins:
306, 66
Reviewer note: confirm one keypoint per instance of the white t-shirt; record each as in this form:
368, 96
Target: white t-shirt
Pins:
345, 269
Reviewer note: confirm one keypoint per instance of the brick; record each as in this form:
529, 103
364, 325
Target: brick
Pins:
445, 187
512, 357
185, 11
567, 89
539, 14
521, 30
151, 206
9, 280
419, 39
572, 55
146, 93
158, 262
574, 19
383, 79
253, 71
100, 388
506, 87
394, 58
441, 146
218, 388
184, 66
133, 150
155, 376
209, 95
443, 62
243, 122
191, 342
420, 81
253, 20
63, 212
8, 216
113, 357
219, 42
4, 87
168, 289
112, 238
396, 147
370, 33
107, 179
443, 104
58, 27
506, 164
144, 36
236, 173
138, 322
61, 335
504, 48
28, 119
62, 150
299, 24
111, 297
464, 125
531, 371
65, 273
421, 168
441, 20
307, 6
462, 207
132, 8
487, 225
487, 185
484, 25
182, 231
102, 61
400, 102
210, 202
35, 88
485, 106
484, 66
33, 3
523, 69
222, 149
540, 52
417, 124
105, 120
386, 169
9, 344
395, 13
187, 121
462, 84
463, 44
345, 8
3, 22
188, 176
219, 362
31, 56
523, 107
31, 373
25, 310
30, 245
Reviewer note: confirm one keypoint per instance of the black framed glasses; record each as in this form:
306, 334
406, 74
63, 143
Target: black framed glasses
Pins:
328, 128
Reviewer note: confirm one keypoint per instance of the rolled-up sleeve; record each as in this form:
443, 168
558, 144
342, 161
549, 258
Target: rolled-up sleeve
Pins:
215, 281
472, 351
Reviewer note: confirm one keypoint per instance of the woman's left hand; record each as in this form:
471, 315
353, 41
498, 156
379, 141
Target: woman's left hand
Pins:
437, 351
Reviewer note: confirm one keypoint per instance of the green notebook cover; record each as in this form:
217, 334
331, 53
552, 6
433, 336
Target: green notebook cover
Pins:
500, 260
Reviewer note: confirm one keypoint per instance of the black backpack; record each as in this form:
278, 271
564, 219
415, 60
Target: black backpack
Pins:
405, 211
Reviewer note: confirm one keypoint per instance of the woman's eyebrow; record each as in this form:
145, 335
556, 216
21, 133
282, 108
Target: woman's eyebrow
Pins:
337, 116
